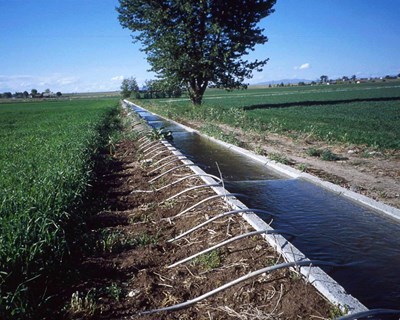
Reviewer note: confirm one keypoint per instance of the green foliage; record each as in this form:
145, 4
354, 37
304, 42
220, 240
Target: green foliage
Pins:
129, 87
109, 241
278, 157
114, 291
83, 305
198, 43
313, 152
216, 132
209, 260
159, 134
341, 113
324, 154
47, 156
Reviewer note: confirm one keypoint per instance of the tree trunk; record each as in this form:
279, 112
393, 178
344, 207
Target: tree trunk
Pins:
196, 91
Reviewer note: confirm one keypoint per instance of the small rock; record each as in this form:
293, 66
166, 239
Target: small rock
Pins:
133, 293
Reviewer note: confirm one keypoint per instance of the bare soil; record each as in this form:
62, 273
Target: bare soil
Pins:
370, 172
119, 266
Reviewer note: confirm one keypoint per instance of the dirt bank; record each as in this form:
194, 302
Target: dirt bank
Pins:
119, 265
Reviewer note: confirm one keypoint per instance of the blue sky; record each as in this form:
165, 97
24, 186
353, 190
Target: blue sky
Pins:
79, 46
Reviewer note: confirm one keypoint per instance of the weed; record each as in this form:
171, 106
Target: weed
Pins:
335, 312
259, 150
115, 241
302, 167
313, 152
328, 155
279, 158
159, 134
209, 260
324, 154
216, 132
144, 217
114, 291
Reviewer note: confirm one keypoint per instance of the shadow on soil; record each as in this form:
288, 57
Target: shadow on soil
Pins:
315, 103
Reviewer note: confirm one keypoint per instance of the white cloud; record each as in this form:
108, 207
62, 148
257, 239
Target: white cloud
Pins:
304, 66
117, 78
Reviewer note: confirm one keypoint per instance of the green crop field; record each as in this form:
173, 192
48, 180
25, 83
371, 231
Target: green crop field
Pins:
364, 114
46, 160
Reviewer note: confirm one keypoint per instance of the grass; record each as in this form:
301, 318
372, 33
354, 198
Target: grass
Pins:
361, 114
47, 156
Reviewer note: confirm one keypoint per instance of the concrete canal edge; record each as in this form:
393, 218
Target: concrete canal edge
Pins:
327, 286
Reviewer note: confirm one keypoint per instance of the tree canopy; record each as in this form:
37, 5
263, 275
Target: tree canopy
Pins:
198, 43
128, 87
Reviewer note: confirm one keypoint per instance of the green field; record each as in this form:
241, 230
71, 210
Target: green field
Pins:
363, 114
47, 153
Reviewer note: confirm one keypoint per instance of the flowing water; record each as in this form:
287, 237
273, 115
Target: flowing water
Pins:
326, 226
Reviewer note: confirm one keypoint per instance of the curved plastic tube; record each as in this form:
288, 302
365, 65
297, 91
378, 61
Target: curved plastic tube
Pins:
145, 144
189, 177
221, 215
192, 188
151, 146
153, 149
165, 164
368, 313
142, 138
162, 152
224, 243
163, 159
170, 170
205, 200
238, 280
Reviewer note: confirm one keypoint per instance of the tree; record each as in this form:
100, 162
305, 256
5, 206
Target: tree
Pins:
197, 43
324, 79
25, 94
34, 92
128, 87
58, 94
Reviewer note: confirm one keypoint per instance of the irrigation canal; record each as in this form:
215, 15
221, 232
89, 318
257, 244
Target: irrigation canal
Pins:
327, 226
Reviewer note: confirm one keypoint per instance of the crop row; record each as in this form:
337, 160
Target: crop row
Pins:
367, 115
47, 153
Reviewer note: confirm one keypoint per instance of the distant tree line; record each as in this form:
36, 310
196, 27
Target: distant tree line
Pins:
35, 94
152, 89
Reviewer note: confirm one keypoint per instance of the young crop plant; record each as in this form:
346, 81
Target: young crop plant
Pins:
83, 305
48, 153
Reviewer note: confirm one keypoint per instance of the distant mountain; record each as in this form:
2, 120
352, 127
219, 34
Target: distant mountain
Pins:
285, 81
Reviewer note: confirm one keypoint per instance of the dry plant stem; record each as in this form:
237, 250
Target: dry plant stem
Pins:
241, 279
205, 200
223, 243
196, 175
221, 215
192, 188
